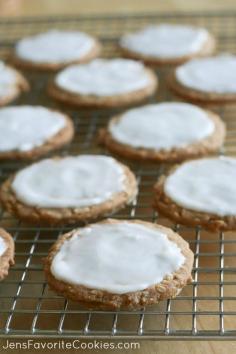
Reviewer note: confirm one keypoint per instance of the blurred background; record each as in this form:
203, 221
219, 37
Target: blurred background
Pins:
67, 7
24, 8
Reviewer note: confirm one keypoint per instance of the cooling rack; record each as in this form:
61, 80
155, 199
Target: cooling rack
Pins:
206, 309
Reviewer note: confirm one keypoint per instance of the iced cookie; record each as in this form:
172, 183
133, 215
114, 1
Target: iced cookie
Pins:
170, 131
68, 190
200, 192
167, 44
27, 132
12, 83
104, 83
6, 253
206, 80
119, 264
55, 49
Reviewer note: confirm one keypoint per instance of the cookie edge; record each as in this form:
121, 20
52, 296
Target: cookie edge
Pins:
7, 258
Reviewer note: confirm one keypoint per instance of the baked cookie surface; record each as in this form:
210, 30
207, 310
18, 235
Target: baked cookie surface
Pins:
68, 190
55, 49
104, 83
200, 193
119, 264
169, 131
7, 249
167, 44
28, 132
12, 84
206, 80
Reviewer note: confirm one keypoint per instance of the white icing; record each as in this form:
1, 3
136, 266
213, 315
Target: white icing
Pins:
8, 80
78, 181
162, 126
55, 46
206, 185
166, 41
118, 258
104, 77
215, 74
3, 246
25, 127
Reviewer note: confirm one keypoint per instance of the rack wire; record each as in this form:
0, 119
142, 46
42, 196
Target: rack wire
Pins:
206, 308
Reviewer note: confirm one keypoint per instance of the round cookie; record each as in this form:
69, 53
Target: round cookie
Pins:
55, 49
12, 83
200, 193
206, 80
7, 250
28, 132
69, 190
118, 264
104, 83
167, 44
170, 131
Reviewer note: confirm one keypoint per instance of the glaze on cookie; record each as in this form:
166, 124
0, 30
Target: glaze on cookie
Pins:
119, 264
200, 193
104, 83
28, 132
169, 131
167, 44
12, 84
69, 190
55, 49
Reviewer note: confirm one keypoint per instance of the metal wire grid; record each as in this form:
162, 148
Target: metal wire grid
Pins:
205, 309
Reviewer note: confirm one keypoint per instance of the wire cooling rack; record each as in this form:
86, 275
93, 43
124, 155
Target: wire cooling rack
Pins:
206, 308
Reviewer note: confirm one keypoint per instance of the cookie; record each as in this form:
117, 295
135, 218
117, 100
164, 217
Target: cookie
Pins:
69, 190
104, 83
209, 80
55, 49
12, 84
119, 264
170, 131
28, 132
167, 44
200, 193
7, 250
